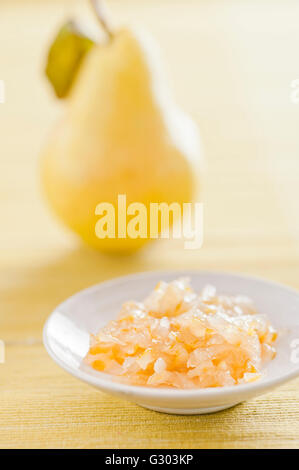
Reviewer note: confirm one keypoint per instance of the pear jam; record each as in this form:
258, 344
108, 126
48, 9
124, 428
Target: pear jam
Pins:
177, 338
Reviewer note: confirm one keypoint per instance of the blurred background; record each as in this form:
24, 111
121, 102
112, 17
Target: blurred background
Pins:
231, 65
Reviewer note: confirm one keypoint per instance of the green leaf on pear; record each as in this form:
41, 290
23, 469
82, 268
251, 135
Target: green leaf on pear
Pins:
65, 57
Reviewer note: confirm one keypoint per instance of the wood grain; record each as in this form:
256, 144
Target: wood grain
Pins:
231, 65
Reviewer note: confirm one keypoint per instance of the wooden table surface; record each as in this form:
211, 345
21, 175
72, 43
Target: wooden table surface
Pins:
231, 65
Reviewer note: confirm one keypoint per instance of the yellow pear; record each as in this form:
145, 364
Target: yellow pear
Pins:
121, 134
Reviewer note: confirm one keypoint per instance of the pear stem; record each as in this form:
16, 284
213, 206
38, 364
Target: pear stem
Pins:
98, 9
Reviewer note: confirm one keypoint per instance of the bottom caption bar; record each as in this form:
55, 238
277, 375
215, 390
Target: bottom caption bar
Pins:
142, 458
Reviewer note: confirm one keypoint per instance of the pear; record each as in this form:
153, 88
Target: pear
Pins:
121, 134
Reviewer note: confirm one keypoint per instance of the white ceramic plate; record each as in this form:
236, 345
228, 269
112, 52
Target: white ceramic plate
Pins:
66, 337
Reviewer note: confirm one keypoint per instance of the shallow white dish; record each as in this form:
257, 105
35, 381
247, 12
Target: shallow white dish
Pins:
66, 337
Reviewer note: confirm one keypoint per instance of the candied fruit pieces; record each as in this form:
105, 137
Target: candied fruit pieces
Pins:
177, 338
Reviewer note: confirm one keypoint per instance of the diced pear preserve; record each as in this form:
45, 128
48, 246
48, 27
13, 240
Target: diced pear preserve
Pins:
178, 338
